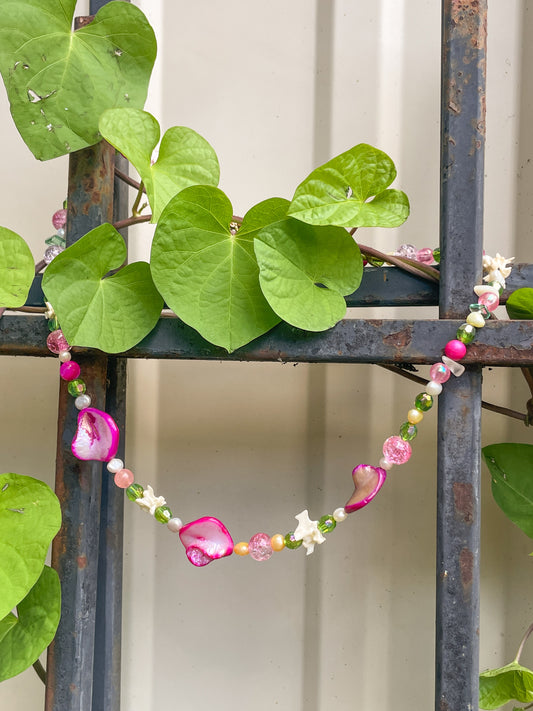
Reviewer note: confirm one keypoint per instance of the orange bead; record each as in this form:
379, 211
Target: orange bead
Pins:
241, 548
277, 542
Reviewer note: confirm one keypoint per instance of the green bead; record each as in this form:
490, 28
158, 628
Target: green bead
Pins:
481, 308
326, 524
408, 431
290, 542
53, 324
423, 402
466, 333
77, 387
436, 255
134, 491
162, 514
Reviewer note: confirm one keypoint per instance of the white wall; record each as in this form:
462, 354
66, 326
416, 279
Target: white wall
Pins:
278, 88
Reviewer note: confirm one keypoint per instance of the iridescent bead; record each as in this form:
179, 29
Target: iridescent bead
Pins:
406, 250
56, 342
241, 548
291, 542
466, 333
134, 492
480, 308
115, 465
455, 349
436, 255
433, 388
175, 524
69, 370
123, 478
491, 301
326, 524
259, 546
277, 542
51, 253
396, 450
340, 515
82, 401
408, 431
163, 514
424, 256
414, 416
64, 356
439, 372
59, 218
76, 387
423, 402
476, 319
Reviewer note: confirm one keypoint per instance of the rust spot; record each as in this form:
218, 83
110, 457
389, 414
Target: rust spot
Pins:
73, 687
96, 197
82, 561
469, 18
401, 339
443, 705
466, 565
463, 499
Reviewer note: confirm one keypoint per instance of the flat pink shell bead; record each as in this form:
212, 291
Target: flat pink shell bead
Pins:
368, 481
206, 539
96, 437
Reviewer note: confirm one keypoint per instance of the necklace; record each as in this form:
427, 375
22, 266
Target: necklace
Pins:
207, 539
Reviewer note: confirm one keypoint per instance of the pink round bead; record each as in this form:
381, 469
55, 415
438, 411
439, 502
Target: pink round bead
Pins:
124, 478
259, 546
396, 450
69, 370
455, 349
439, 372
59, 218
490, 300
424, 256
57, 342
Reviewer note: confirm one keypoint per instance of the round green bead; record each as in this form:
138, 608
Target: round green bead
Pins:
466, 333
436, 255
408, 431
162, 514
76, 387
134, 491
326, 524
423, 402
290, 541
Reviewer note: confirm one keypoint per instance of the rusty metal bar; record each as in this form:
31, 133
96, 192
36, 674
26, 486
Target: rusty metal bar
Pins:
459, 446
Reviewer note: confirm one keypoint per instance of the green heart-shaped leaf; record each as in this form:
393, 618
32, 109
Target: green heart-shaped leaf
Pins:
29, 634
511, 469
16, 269
185, 158
207, 275
59, 82
30, 517
340, 192
296, 261
509, 683
111, 314
520, 304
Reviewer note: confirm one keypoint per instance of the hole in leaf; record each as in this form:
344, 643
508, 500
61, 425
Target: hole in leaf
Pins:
349, 192
5, 487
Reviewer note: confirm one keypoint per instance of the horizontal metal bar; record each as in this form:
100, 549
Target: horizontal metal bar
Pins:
508, 343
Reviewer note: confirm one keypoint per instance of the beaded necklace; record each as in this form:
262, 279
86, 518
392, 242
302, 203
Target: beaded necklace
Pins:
207, 539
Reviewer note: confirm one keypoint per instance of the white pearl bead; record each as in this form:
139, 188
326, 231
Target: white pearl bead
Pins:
115, 465
433, 388
175, 524
385, 464
339, 515
64, 356
82, 401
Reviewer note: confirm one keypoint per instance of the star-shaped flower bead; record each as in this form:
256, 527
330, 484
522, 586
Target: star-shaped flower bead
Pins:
497, 268
308, 532
49, 312
149, 501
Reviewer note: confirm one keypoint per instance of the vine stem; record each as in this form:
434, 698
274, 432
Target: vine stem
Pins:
135, 209
408, 265
522, 643
129, 181
131, 221
41, 672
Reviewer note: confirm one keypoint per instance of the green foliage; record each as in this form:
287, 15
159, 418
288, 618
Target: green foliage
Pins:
112, 314
25, 636
520, 304
512, 682
511, 469
59, 82
16, 269
340, 192
30, 517
185, 158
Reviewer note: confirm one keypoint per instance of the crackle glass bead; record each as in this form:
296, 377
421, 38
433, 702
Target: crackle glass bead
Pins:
123, 478
424, 255
134, 492
51, 253
439, 372
408, 431
259, 547
82, 401
56, 342
277, 542
466, 333
59, 218
406, 250
491, 301
291, 542
326, 523
340, 515
76, 387
163, 514
241, 548
423, 402
396, 450
70, 370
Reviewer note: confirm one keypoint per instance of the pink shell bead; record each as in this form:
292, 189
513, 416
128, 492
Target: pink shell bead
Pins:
56, 342
439, 372
490, 300
206, 539
259, 547
69, 370
396, 450
455, 349
59, 218
368, 481
124, 478
96, 436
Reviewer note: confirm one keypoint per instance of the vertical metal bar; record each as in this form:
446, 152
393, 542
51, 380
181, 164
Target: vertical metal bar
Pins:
458, 514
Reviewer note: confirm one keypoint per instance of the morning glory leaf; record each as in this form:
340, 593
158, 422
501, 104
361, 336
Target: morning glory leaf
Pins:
184, 158
59, 82
207, 275
34, 627
511, 469
512, 682
30, 517
112, 313
520, 304
350, 191
16, 269
296, 261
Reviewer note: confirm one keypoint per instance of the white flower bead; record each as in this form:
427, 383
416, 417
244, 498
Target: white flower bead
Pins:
82, 401
433, 388
115, 465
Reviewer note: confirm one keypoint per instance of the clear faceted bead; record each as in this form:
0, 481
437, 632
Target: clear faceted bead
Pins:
326, 524
423, 402
408, 431
466, 333
406, 250
291, 542
51, 253
259, 547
